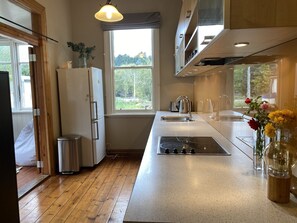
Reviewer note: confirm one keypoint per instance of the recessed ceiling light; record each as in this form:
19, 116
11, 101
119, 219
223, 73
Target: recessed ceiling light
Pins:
241, 44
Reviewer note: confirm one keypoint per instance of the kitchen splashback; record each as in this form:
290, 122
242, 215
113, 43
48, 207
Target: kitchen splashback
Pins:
282, 77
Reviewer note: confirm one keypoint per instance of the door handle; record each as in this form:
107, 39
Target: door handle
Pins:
94, 103
97, 131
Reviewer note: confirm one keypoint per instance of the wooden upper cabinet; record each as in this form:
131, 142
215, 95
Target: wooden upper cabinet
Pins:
208, 29
186, 14
188, 11
265, 13
186, 25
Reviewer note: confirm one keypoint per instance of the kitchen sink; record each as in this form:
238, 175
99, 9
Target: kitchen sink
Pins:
182, 145
176, 118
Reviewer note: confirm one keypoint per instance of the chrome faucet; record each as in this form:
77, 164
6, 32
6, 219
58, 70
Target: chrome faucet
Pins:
184, 105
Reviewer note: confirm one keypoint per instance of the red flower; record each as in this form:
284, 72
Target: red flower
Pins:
248, 100
254, 124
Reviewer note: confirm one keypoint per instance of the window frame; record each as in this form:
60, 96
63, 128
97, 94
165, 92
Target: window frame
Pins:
16, 75
272, 77
109, 76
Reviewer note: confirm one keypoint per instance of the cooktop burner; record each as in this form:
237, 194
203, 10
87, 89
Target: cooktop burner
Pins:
190, 146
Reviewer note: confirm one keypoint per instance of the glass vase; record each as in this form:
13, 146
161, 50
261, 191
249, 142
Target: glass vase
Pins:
292, 140
258, 149
82, 62
277, 159
293, 188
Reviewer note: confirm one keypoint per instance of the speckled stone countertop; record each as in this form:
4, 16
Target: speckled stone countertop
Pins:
186, 188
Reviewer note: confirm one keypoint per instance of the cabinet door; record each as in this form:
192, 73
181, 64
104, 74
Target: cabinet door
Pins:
186, 26
187, 12
184, 19
180, 32
180, 57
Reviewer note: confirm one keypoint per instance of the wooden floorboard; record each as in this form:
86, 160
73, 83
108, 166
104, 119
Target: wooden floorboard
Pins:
112, 196
27, 178
99, 194
26, 174
30, 185
122, 200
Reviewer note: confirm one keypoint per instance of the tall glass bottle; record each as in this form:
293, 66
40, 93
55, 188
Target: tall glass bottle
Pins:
277, 159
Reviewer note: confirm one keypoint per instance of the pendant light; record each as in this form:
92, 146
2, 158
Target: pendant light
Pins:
109, 13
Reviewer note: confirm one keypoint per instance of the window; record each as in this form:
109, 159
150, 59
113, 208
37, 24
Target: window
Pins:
255, 80
134, 71
14, 58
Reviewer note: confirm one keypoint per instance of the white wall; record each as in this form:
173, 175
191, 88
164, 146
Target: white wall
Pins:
73, 20
86, 29
59, 27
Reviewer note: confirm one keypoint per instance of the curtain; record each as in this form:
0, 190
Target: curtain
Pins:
135, 21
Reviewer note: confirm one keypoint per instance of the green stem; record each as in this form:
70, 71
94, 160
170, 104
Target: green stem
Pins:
260, 142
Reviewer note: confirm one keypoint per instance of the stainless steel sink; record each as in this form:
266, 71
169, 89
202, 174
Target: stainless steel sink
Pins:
176, 118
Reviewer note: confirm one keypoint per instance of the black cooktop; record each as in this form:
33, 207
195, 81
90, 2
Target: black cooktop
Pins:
198, 145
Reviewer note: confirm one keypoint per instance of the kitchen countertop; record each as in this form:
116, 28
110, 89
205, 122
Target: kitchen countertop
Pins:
186, 188
236, 131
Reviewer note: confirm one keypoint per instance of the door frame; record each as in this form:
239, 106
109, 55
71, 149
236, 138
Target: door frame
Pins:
41, 80
35, 103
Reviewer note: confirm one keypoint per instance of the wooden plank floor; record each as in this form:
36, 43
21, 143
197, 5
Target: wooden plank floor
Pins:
26, 174
27, 178
99, 194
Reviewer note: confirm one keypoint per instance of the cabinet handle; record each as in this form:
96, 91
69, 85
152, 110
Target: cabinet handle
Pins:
188, 14
181, 35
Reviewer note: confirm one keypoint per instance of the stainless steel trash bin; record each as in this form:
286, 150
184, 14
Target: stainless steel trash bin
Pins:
69, 149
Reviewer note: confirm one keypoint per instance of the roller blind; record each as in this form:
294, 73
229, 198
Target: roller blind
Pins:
134, 21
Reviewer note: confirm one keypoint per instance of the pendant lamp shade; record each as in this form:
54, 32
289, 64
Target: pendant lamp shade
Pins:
109, 13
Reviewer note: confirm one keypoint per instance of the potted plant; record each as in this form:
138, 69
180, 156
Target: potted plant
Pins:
85, 53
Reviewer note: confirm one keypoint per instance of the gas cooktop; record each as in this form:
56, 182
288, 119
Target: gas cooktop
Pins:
173, 145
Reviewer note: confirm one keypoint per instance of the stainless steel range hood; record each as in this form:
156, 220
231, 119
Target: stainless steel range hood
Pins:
243, 22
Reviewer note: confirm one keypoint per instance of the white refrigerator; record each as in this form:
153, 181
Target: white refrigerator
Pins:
82, 110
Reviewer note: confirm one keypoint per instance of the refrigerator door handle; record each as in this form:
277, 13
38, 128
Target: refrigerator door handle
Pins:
94, 103
97, 131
